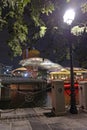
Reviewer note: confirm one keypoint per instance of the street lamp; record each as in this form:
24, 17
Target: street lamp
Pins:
68, 19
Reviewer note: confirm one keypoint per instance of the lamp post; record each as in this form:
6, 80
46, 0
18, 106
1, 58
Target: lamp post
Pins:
68, 19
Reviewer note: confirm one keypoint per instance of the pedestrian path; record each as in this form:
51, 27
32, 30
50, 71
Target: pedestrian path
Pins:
36, 119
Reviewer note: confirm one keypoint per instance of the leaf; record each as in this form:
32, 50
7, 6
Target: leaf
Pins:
42, 30
48, 9
84, 7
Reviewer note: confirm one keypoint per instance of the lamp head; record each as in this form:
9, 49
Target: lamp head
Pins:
69, 16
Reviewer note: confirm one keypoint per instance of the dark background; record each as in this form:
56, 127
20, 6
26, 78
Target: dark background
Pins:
5, 57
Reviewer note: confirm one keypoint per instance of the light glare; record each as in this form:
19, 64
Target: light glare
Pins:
69, 16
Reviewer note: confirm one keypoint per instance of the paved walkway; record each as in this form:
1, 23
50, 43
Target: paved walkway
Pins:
35, 119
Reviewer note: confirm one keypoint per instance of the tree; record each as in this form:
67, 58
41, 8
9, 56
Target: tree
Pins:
28, 20
12, 17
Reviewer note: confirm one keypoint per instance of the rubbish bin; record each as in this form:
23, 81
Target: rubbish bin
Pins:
58, 98
83, 94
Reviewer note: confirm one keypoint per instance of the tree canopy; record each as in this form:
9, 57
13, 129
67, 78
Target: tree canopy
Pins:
12, 17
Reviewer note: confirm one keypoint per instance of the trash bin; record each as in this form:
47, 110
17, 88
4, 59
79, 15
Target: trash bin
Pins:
58, 98
83, 94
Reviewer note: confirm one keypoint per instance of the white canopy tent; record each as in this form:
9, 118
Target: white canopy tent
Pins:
42, 63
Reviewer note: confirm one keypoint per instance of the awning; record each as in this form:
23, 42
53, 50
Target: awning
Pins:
42, 63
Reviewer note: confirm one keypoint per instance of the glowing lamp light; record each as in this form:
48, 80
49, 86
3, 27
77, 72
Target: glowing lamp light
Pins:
69, 16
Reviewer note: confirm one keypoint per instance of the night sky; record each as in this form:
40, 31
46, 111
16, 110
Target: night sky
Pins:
4, 52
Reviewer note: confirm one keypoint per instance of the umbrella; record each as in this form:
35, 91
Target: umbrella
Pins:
47, 64
35, 61
40, 62
20, 69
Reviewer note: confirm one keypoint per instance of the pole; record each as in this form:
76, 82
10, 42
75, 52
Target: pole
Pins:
73, 108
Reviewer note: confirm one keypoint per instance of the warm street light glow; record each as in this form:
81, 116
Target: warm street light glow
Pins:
69, 16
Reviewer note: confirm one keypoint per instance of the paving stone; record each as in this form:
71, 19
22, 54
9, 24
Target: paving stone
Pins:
34, 119
38, 126
5, 127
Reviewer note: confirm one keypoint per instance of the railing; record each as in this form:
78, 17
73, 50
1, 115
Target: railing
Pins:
13, 80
